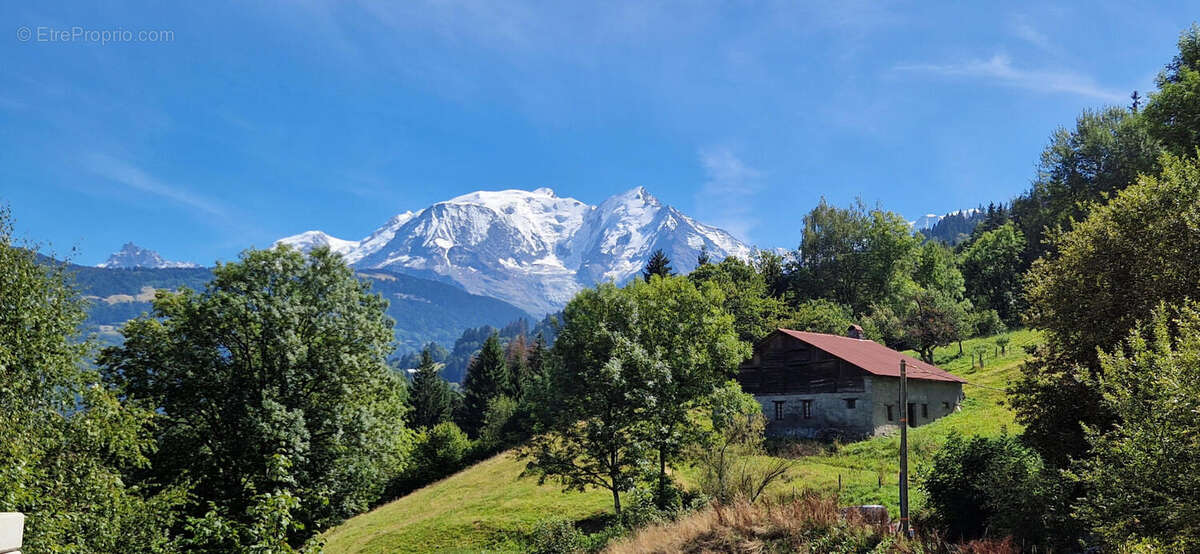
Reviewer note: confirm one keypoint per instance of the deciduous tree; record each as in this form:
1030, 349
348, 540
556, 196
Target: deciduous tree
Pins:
281, 356
66, 441
1111, 271
1142, 476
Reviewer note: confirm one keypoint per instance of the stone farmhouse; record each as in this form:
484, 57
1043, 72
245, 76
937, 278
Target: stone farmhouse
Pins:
815, 385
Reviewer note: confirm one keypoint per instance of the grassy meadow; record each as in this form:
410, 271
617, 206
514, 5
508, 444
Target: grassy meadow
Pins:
488, 507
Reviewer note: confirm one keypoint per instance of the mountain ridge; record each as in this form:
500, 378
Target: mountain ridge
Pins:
533, 249
132, 256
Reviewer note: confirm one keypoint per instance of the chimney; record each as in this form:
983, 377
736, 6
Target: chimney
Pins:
855, 332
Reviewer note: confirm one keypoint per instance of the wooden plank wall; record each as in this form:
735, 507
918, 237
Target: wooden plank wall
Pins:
782, 365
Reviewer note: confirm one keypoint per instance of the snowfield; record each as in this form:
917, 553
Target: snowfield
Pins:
532, 249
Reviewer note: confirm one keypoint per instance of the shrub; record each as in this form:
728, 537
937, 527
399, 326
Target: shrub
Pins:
438, 452
989, 486
556, 536
1142, 476
498, 425
730, 457
987, 323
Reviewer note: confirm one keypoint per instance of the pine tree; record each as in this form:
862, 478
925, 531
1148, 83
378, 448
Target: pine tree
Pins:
703, 258
487, 377
537, 357
659, 264
517, 358
431, 396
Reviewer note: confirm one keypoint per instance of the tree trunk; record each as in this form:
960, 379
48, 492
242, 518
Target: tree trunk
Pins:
616, 501
960, 350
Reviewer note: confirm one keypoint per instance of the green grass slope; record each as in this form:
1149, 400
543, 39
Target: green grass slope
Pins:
484, 507
487, 507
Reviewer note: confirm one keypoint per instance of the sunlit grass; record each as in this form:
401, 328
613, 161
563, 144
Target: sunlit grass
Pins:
484, 507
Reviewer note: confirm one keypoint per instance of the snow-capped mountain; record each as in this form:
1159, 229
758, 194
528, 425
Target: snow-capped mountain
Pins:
532, 248
309, 240
134, 256
926, 221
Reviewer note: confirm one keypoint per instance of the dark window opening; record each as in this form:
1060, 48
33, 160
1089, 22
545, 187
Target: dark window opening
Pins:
850, 403
891, 416
925, 410
778, 410
946, 405
806, 408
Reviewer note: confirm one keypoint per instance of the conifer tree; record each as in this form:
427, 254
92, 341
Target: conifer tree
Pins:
432, 400
659, 264
517, 358
487, 377
703, 258
537, 356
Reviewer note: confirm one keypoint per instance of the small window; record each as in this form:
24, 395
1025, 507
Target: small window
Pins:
925, 410
946, 406
891, 415
850, 403
806, 408
778, 410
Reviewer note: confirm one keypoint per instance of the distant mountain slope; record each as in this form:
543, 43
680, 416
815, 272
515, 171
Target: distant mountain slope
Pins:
954, 227
424, 310
427, 310
532, 249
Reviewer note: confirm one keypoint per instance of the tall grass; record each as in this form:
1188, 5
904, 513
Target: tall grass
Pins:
811, 523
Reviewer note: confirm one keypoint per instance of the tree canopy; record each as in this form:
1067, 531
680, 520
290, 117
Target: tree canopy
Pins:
1110, 271
273, 378
67, 439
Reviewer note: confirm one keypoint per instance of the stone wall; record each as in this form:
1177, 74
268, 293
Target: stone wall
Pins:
831, 417
930, 399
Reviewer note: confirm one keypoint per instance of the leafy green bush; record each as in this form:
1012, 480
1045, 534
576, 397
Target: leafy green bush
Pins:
819, 316
986, 323
498, 425
1142, 476
989, 486
437, 452
556, 536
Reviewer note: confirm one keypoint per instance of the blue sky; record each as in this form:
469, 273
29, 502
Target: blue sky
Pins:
261, 120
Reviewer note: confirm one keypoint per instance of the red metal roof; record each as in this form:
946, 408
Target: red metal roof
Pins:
873, 357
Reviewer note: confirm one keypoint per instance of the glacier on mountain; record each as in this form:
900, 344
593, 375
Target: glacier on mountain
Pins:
532, 249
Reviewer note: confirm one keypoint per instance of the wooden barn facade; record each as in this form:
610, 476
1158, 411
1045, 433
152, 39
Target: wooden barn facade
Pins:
815, 385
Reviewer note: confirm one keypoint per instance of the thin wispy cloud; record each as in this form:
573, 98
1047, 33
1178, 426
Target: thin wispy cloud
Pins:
1027, 33
133, 177
725, 198
999, 70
